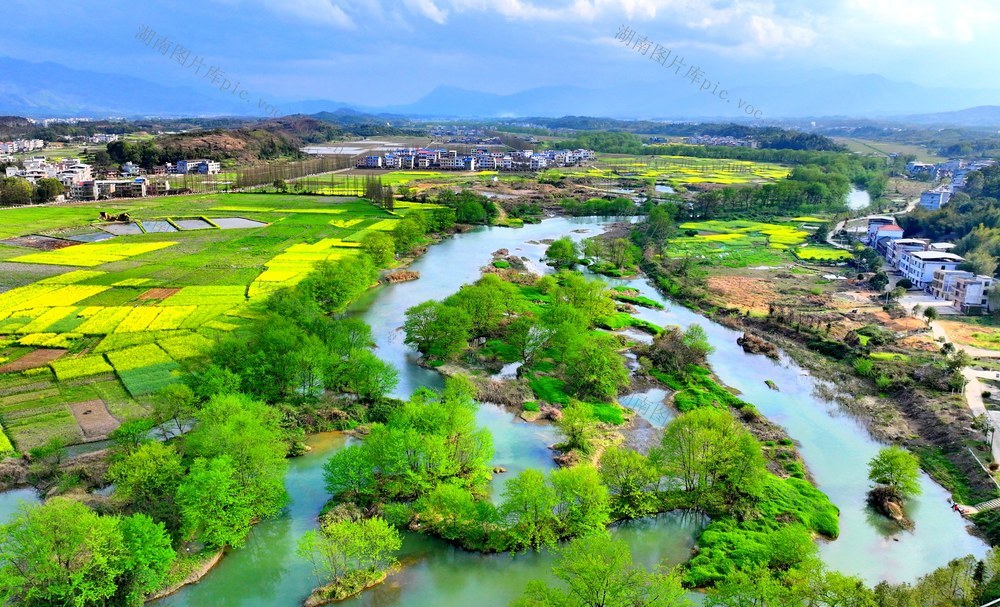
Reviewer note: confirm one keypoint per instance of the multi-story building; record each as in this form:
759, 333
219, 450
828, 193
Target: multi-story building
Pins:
933, 200
198, 165
895, 248
972, 294
882, 227
369, 162
919, 266
85, 190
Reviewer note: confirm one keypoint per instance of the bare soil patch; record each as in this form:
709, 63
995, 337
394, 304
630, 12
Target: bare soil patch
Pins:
34, 241
745, 293
159, 293
963, 333
94, 419
32, 360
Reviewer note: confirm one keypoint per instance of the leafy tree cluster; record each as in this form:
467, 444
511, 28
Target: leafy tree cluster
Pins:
226, 473
604, 207
535, 511
208, 487
597, 570
380, 195
431, 439
552, 319
297, 350
808, 188
348, 555
608, 142
63, 553
469, 206
612, 257
410, 231
15, 191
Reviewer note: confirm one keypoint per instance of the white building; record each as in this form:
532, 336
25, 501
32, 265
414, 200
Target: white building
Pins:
919, 266
933, 200
896, 247
199, 165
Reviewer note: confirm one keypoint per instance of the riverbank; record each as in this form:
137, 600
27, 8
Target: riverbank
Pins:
193, 569
267, 573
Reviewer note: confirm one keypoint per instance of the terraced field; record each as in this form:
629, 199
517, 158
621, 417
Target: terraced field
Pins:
114, 321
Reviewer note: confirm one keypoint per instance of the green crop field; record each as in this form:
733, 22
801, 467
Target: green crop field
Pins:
117, 320
743, 243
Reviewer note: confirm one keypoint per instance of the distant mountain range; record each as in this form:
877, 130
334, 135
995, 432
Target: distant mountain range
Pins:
53, 90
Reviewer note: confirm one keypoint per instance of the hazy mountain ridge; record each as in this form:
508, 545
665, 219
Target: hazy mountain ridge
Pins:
53, 90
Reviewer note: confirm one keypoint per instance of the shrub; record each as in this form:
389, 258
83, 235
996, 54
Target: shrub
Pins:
531, 406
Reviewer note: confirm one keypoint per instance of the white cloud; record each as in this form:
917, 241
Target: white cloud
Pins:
428, 9
324, 12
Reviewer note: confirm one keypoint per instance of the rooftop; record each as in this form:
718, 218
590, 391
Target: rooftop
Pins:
937, 256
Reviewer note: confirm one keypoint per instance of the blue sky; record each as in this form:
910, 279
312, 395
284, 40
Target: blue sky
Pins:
382, 52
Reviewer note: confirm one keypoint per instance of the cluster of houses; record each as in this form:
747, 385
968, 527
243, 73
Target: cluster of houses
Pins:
197, 166
78, 180
480, 159
955, 171
20, 146
733, 142
101, 138
930, 266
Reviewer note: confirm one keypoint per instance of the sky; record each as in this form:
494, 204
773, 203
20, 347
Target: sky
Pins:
384, 52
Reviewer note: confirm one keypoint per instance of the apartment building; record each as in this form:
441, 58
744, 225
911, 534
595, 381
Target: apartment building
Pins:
933, 200
919, 266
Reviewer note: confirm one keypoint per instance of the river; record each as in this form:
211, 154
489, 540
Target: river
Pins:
835, 447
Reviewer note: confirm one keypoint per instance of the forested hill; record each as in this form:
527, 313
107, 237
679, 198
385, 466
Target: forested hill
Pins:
279, 137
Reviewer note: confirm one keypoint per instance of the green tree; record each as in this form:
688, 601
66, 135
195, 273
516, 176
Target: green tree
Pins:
148, 555
597, 571
577, 427
529, 337
897, 469
174, 407
593, 367
588, 296
147, 480
380, 247
979, 262
249, 434
213, 506
631, 480
47, 189
930, 314
345, 548
406, 234
528, 509
582, 504
60, 553
131, 435
563, 253
368, 376
486, 304
349, 475
437, 330
335, 284
713, 459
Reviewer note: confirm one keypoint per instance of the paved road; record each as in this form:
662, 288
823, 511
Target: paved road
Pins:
974, 397
842, 224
